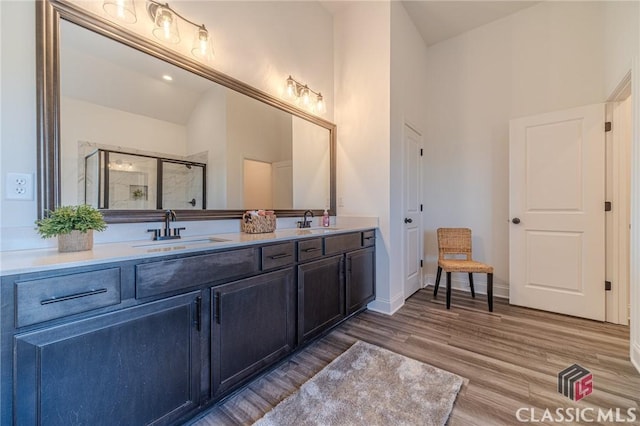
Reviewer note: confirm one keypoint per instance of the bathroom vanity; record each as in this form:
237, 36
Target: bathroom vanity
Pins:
157, 337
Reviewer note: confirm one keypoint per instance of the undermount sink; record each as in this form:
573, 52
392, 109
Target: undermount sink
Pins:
170, 245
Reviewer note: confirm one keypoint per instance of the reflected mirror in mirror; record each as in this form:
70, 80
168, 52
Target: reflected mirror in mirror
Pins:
153, 119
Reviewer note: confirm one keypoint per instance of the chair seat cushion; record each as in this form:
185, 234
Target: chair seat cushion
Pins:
461, 265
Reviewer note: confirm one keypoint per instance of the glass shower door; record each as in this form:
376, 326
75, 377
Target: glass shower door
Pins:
183, 185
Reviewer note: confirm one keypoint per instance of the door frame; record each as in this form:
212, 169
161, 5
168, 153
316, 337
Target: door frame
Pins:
618, 177
634, 275
421, 284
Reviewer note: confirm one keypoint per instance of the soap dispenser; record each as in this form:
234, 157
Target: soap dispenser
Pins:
325, 218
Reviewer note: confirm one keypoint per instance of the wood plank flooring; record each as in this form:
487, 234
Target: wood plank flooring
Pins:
510, 357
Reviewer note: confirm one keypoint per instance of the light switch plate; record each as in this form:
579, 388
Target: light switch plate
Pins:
19, 186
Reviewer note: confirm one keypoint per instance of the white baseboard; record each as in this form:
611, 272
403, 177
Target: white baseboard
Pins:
635, 356
460, 281
387, 307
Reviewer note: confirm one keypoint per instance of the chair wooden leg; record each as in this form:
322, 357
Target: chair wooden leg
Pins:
448, 290
473, 291
490, 291
435, 290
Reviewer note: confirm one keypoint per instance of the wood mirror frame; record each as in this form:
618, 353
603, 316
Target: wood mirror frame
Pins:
48, 15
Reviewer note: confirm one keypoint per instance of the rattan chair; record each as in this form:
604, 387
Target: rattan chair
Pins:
457, 241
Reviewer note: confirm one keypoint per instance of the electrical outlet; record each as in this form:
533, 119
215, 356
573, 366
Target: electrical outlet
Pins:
19, 186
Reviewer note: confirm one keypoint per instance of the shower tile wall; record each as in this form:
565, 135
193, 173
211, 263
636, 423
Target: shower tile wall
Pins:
181, 185
133, 187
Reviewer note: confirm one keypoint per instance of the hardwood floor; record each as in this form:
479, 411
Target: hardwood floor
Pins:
510, 357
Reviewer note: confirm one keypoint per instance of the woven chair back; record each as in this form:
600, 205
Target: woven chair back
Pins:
454, 241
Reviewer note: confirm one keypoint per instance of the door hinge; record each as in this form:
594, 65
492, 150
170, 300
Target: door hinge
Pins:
607, 126
420, 207
607, 206
607, 285
421, 152
421, 263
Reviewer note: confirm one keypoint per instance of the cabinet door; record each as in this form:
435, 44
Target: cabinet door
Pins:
361, 285
320, 296
136, 366
253, 326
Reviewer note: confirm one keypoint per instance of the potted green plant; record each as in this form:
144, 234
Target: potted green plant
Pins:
73, 225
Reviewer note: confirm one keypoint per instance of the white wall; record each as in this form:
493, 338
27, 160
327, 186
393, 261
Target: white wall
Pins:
254, 132
362, 80
622, 40
310, 165
207, 131
408, 105
545, 58
18, 100
260, 43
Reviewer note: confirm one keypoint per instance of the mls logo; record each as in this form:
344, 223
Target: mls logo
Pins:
575, 382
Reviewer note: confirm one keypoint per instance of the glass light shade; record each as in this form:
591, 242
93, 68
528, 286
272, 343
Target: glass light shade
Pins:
321, 106
166, 25
290, 89
202, 45
122, 10
305, 96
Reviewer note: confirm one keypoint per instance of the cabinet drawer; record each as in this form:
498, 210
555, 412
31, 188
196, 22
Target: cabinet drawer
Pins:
310, 249
368, 238
341, 243
49, 298
170, 275
277, 255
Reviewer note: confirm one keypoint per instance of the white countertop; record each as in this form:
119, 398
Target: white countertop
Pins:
24, 261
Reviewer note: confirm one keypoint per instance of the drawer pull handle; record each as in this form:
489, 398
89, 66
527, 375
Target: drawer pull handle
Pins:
73, 296
312, 249
368, 238
279, 256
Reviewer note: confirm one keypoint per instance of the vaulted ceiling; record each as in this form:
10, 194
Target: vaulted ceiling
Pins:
439, 20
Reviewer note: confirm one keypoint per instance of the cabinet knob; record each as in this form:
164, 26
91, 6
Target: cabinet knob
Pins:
515, 220
408, 220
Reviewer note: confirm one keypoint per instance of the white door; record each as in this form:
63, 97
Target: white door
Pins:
412, 215
556, 202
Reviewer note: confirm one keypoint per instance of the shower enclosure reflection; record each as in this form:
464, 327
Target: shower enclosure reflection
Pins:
125, 181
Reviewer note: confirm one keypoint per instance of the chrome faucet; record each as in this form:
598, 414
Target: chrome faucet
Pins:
304, 223
167, 233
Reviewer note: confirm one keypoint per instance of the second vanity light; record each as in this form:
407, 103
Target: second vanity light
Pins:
303, 95
165, 21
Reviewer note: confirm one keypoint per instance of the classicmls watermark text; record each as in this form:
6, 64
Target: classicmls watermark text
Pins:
576, 382
584, 415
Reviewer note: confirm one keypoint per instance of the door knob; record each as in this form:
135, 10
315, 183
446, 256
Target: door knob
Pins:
408, 220
515, 220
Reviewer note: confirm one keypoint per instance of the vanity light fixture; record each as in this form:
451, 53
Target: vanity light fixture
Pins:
122, 10
301, 93
166, 29
165, 24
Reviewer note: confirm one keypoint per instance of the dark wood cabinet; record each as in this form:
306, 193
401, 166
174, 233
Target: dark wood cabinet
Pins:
154, 341
360, 276
137, 366
321, 295
254, 324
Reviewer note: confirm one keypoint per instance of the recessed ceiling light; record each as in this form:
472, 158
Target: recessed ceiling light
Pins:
167, 77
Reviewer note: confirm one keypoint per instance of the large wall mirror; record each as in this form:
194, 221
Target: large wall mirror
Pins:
134, 129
